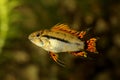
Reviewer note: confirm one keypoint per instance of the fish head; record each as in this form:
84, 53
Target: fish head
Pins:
35, 38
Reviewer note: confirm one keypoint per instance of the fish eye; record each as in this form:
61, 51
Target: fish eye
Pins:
38, 34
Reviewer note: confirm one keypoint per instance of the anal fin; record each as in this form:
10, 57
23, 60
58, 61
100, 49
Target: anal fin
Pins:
82, 53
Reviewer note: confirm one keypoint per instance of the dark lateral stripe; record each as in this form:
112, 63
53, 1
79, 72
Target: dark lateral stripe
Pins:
56, 38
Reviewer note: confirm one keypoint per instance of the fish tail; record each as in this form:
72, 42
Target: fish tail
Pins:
91, 45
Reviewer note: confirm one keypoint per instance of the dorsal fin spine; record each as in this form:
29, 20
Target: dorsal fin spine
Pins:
66, 28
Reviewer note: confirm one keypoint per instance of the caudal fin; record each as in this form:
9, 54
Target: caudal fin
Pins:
91, 45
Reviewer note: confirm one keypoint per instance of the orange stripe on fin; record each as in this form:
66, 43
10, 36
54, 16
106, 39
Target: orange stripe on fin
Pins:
82, 33
91, 43
62, 27
65, 28
82, 53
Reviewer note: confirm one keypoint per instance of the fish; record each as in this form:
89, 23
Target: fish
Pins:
61, 38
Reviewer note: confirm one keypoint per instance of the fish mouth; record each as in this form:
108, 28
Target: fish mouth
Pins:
30, 37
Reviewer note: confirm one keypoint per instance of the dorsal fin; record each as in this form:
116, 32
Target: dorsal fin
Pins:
65, 28
61, 27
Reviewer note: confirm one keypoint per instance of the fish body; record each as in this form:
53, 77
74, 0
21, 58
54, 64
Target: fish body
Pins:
63, 39
57, 41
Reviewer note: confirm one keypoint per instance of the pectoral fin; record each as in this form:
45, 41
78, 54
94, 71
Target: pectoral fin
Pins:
55, 58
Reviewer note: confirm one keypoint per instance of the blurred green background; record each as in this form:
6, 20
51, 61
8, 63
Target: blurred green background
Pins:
22, 60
